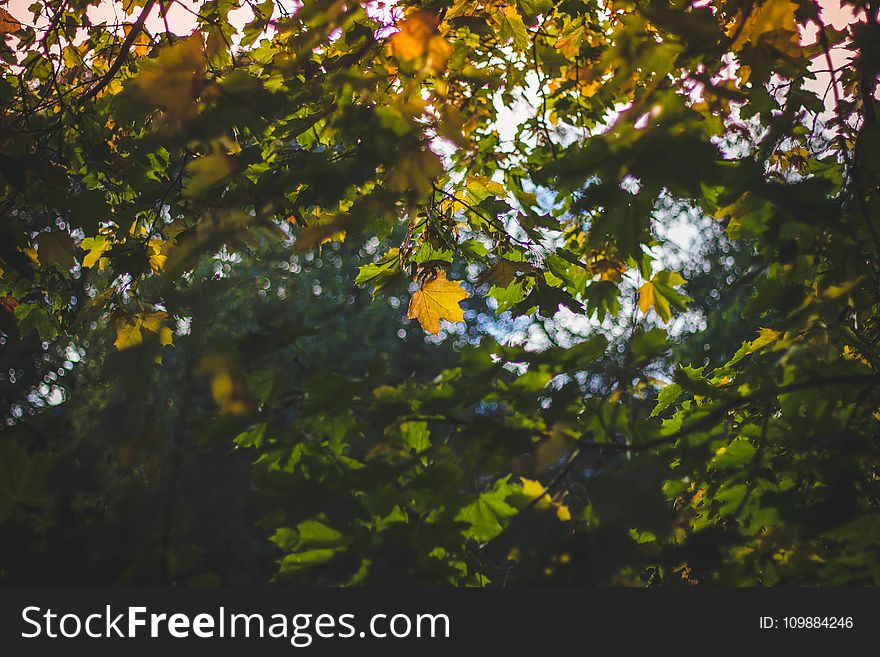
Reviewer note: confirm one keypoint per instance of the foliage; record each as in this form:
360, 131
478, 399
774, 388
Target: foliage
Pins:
147, 175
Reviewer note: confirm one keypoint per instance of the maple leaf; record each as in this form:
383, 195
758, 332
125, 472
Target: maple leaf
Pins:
96, 247
8, 22
418, 36
142, 42
157, 259
129, 331
765, 337
512, 27
435, 300
773, 22
659, 293
503, 272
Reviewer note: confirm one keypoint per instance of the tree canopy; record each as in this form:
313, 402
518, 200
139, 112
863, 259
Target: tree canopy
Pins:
462, 292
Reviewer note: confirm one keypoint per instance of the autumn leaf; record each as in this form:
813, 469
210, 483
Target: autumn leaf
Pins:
418, 37
773, 23
569, 42
765, 337
157, 256
8, 22
96, 247
659, 293
129, 330
142, 43
435, 300
646, 296
534, 490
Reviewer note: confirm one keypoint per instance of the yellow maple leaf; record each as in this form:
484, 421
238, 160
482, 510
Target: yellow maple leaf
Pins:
96, 247
646, 296
435, 300
129, 331
417, 37
659, 293
772, 22
765, 337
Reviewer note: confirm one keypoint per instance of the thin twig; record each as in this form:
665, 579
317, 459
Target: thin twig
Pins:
136, 29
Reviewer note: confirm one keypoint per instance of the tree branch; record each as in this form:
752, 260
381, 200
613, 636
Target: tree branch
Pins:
841, 138
136, 29
720, 411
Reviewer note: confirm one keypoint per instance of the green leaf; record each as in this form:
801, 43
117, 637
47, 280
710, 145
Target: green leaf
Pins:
484, 516
416, 435
33, 318
512, 27
668, 395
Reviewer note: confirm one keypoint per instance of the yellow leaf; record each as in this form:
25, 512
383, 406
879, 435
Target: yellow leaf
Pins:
141, 43
563, 512
157, 262
129, 330
535, 490
646, 296
415, 33
418, 37
773, 23
128, 334
96, 247
157, 258
31, 254
659, 293
765, 337
439, 52
435, 300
